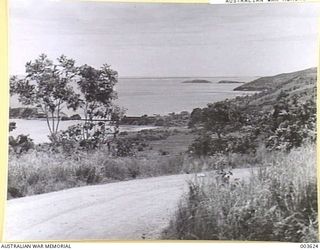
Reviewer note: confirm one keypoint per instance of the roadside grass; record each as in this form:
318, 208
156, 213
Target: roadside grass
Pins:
277, 203
37, 172
40, 171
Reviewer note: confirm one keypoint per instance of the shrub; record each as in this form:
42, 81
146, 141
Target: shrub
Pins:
72, 139
20, 144
206, 145
12, 126
123, 148
277, 203
45, 171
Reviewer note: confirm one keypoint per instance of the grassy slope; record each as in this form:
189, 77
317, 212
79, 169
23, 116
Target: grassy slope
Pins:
277, 81
277, 204
37, 172
299, 84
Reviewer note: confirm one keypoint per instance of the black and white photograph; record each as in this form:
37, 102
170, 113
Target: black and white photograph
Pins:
162, 121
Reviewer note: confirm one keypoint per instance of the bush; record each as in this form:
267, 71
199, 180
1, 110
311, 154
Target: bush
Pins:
206, 145
12, 126
123, 148
45, 171
277, 203
291, 124
73, 138
20, 144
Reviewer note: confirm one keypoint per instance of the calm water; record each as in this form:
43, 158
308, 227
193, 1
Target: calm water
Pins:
38, 129
162, 96
148, 96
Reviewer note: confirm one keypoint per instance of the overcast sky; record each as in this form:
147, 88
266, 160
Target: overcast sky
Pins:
167, 39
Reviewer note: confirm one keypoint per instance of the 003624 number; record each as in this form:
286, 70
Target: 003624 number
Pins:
309, 245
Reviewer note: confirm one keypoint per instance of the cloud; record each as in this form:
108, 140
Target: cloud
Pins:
129, 35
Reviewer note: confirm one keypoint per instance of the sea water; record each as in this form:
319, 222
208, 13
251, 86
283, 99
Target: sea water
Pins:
150, 96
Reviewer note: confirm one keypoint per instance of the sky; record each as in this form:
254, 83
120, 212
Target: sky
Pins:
158, 40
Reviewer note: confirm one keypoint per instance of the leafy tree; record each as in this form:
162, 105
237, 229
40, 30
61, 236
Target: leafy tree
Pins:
221, 117
101, 116
195, 117
47, 86
97, 88
203, 145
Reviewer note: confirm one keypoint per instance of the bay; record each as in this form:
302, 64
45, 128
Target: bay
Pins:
150, 96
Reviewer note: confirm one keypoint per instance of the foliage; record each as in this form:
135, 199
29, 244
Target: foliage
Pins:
12, 126
101, 117
73, 139
292, 123
220, 118
288, 125
206, 145
20, 144
195, 117
42, 171
277, 203
47, 86
171, 120
123, 147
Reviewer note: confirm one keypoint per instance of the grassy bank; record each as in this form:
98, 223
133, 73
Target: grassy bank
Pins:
41, 172
277, 203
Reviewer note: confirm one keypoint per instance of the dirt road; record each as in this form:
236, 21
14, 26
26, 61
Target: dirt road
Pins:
130, 210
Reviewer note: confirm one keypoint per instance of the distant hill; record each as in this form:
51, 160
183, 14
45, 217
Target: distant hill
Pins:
197, 81
299, 84
30, 113
278, 81
25, 113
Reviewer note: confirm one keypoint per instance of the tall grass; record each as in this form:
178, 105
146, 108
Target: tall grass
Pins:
277, 203
37, 172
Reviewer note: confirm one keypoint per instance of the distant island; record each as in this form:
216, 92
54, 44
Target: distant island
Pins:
197, 81
229, 81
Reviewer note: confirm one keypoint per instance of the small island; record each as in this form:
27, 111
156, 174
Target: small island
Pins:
229, 81
197, 81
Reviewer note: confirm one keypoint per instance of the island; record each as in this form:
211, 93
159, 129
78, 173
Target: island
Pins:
197, 81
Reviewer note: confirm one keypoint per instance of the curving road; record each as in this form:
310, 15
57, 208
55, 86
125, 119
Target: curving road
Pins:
130, 210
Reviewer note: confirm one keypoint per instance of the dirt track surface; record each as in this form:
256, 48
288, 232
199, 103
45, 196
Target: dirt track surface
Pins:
130, 210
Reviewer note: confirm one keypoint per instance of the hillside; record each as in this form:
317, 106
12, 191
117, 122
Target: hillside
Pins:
25, 113
32, 113
278, 81
299, 84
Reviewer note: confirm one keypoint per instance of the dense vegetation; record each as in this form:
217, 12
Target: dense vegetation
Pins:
43, 168
280, 118
279, 201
